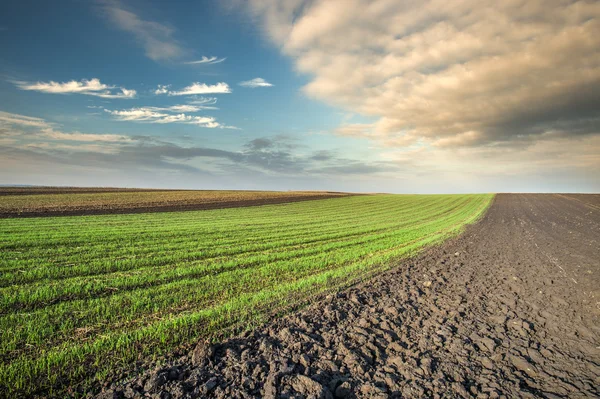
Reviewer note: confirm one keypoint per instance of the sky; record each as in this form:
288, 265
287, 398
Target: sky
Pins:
423, 96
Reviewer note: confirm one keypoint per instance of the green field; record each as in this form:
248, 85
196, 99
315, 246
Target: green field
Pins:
81, 297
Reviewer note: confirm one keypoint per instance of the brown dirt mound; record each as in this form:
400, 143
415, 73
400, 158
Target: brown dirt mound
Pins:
508, 309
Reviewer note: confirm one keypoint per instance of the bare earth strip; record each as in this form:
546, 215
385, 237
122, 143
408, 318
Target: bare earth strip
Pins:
37, 190
508, 309
84, 201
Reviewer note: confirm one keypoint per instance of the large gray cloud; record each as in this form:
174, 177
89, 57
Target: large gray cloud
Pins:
447, 73
32, 141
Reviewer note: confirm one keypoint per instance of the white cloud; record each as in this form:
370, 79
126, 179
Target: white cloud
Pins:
59, 146
84, 86
206, 60
136, 114
153, 115
256, 82
466, 73
202, 88
193, 105
162, 89
459, 140
156, 39
92, 87
7, 118
182, 108
84, 137
355, 129
203, 101
124, 94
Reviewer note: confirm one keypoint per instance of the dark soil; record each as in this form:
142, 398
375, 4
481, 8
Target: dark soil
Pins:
508, 309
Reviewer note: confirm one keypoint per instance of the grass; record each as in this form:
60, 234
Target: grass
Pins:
82, 297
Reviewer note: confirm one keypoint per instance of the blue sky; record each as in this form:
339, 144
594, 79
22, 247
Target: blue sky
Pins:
83, 43
325, 95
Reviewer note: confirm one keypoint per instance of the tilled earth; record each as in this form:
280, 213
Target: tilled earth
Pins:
508, 309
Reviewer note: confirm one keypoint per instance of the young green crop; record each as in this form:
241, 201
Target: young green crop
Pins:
75, 289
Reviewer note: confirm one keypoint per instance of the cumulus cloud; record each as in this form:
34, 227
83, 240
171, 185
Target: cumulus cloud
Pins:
154, 115
256, 82
199, 88
206, 60
92, 87
466, 73
156, 38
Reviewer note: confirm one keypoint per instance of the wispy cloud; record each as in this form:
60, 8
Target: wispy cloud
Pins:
194, 104
206, 60
92, 87
203, 101
153, 115
183, 108
84, 137
156, 38
26, 129
45, 147
7, 118
256, 82
197, 88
